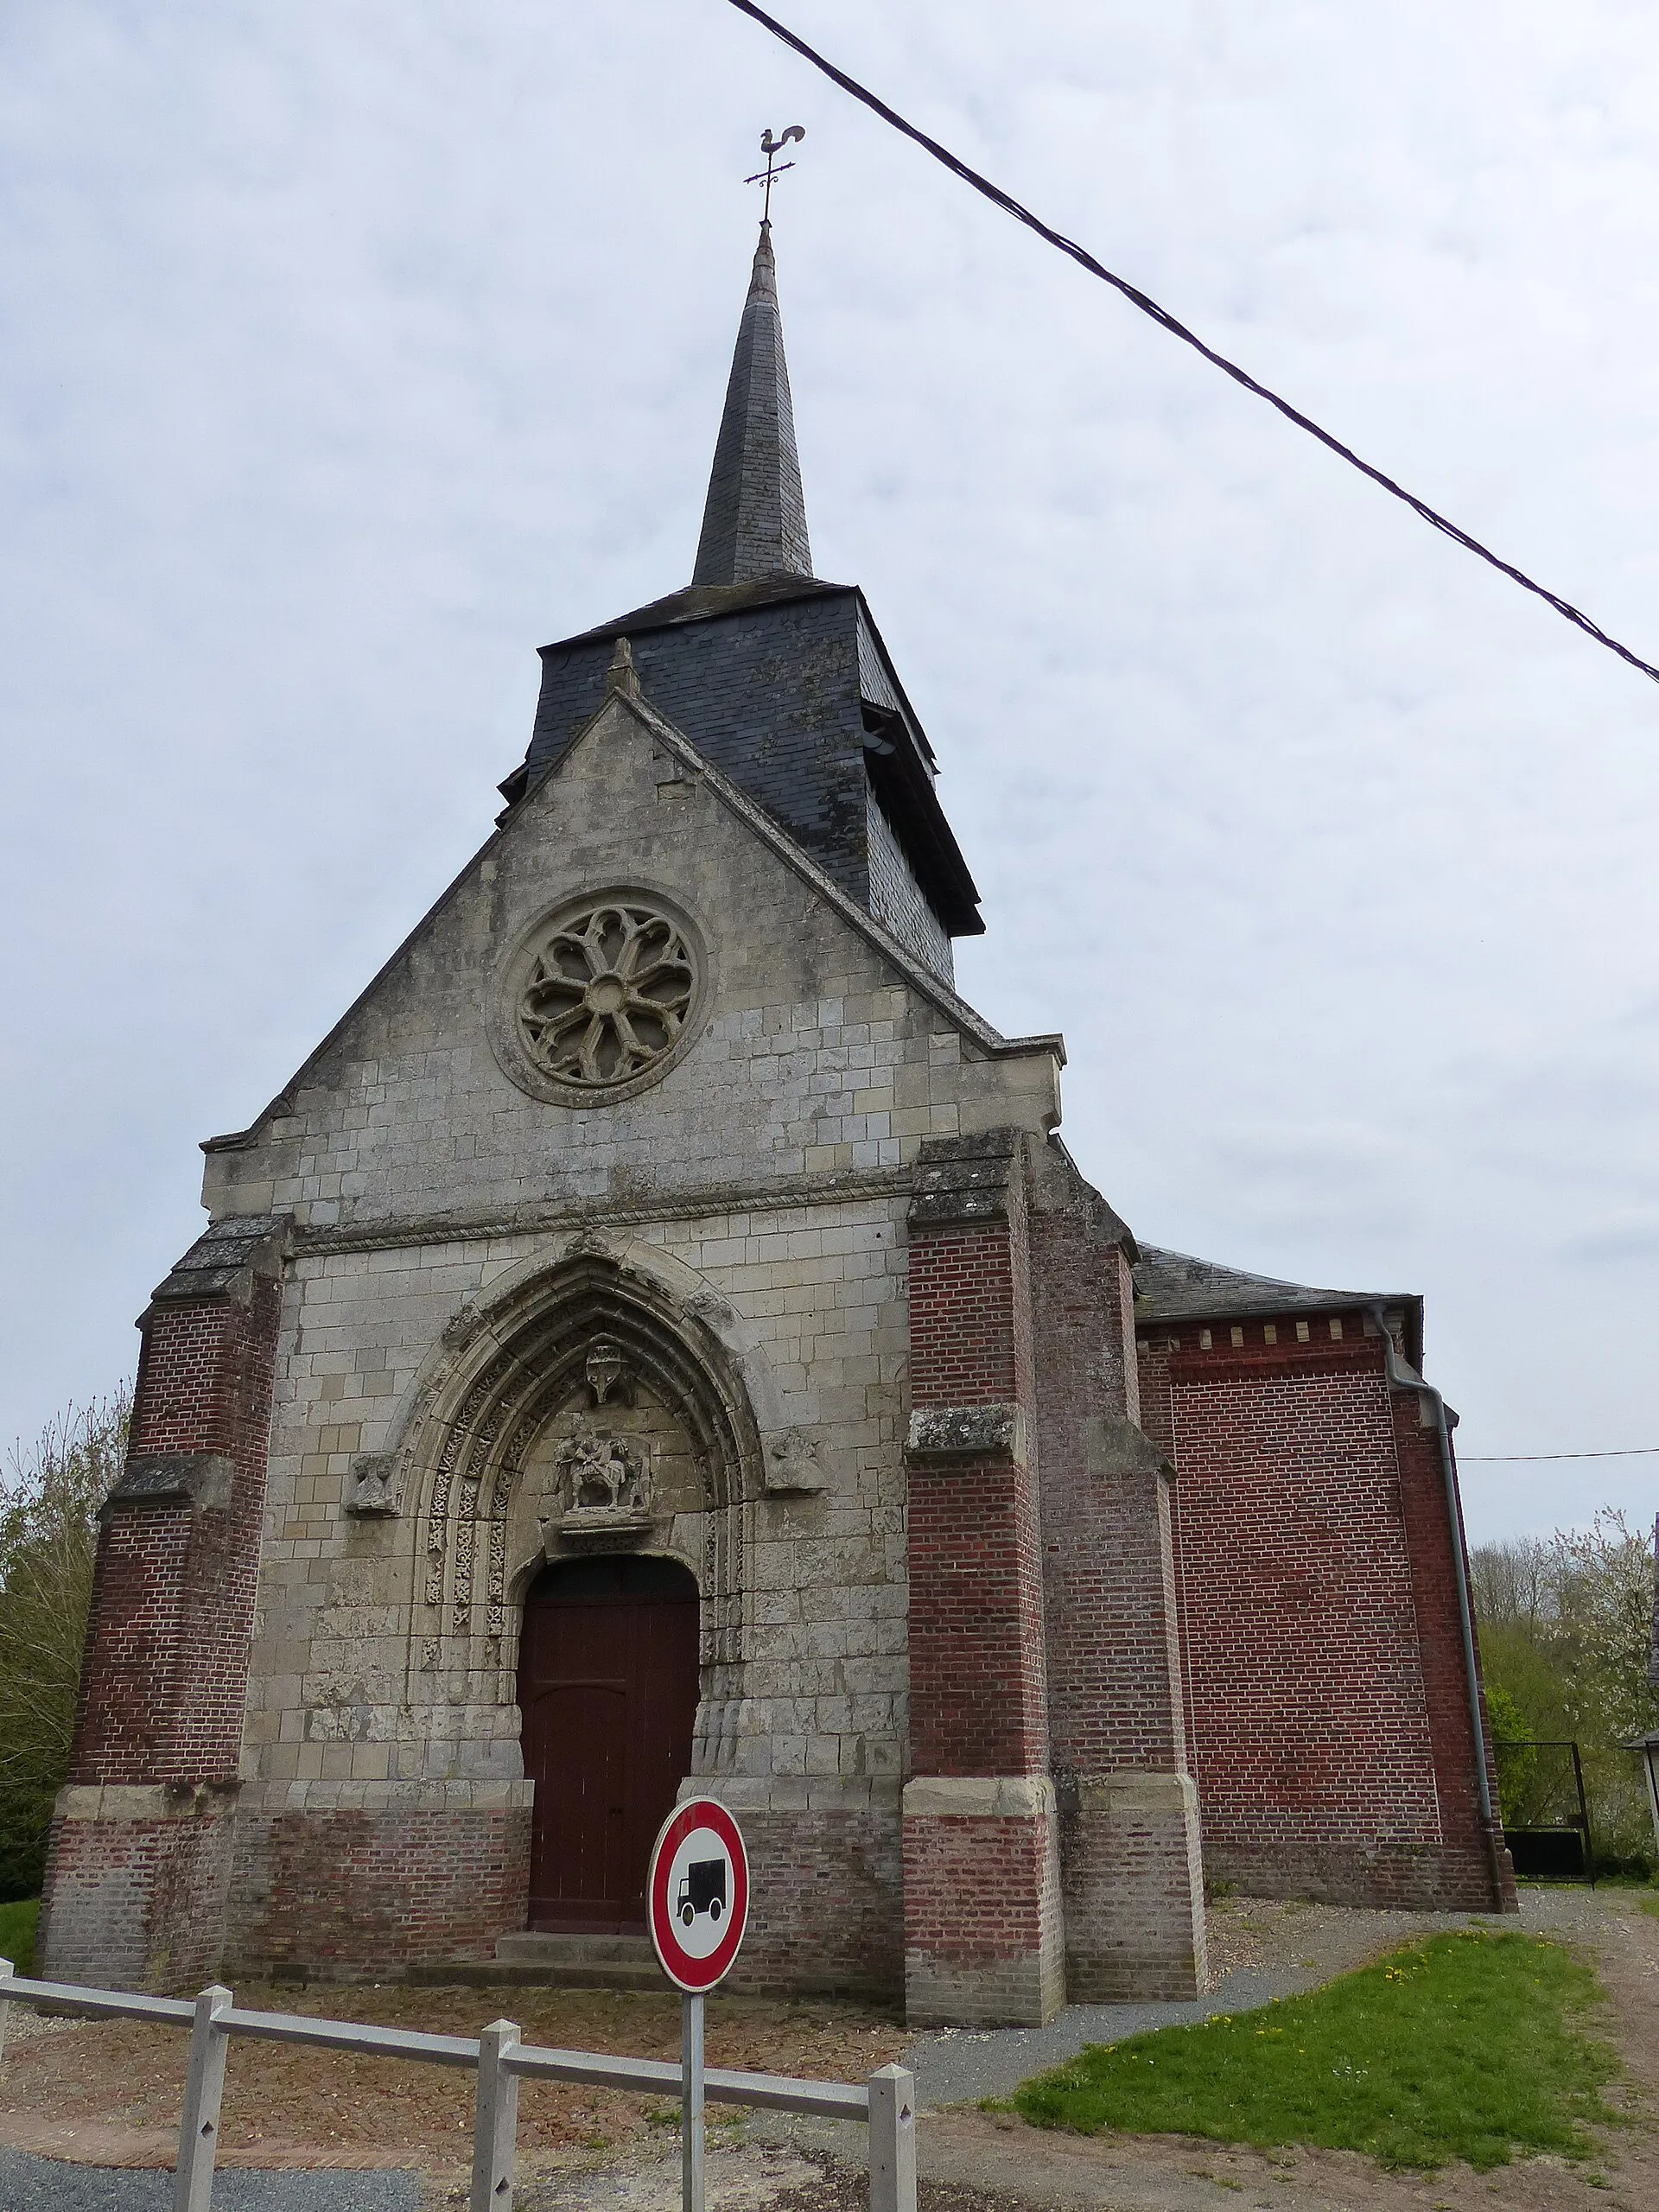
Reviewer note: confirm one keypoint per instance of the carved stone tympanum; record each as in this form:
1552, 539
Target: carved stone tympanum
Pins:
605, 1485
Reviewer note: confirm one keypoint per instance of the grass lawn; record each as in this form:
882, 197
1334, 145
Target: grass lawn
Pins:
1467, 2046
17, 1934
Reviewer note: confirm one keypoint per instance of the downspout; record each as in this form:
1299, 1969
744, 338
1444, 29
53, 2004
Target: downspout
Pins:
1405, 1378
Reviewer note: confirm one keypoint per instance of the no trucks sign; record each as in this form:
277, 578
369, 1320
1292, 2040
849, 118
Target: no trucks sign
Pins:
698, 1894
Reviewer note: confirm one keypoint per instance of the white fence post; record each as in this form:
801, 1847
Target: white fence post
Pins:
892, 2140
204, 2086
7, 1970
495, 2125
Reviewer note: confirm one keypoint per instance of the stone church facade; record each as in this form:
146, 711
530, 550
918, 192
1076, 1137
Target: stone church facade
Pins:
659, 1342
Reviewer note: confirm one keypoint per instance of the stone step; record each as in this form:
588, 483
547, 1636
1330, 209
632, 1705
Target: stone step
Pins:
534, 1958
569, 1948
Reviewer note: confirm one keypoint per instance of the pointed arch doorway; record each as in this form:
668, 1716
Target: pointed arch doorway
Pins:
608, 1690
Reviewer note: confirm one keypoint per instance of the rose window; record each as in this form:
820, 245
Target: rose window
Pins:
605, 995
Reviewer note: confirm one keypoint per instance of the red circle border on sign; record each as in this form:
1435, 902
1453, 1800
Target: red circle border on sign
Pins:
696, 1975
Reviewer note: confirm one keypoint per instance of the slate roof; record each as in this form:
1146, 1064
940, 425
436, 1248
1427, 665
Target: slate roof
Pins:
698, 602
754, 521
781, 679
1175, 1286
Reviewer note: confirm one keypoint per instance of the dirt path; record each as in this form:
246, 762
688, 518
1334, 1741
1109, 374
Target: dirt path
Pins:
108, 2093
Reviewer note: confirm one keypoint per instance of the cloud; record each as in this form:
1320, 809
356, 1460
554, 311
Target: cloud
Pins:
1631, 1234
352, 352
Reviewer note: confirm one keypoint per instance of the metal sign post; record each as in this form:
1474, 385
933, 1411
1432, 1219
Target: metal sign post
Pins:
697, 1904
691, 2103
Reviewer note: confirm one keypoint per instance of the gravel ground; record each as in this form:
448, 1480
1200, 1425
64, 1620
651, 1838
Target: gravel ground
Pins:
31, 2184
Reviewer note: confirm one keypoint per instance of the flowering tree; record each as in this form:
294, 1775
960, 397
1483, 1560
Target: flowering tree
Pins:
1605, 1627
1566, 1633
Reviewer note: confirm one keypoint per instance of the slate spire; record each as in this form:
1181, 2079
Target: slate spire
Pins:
754, 522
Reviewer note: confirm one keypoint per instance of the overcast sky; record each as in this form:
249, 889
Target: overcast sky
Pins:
351, 351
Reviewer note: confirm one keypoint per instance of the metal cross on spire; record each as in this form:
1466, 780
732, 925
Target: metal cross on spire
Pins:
772, 148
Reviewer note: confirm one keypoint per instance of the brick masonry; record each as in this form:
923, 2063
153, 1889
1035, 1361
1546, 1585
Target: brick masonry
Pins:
140, 1852
1128, 1816
1327, 1692
345, 1892
983, 1936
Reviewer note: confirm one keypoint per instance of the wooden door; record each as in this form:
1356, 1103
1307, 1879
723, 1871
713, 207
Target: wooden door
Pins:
607, 1687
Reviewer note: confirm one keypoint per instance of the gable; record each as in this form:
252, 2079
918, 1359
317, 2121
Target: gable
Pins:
816, 1046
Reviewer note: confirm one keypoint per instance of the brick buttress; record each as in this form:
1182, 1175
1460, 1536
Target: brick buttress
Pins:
140, 1858
982, 1932
1129, 1843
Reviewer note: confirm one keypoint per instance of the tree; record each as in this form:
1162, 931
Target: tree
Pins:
50, 1495
1565, 1634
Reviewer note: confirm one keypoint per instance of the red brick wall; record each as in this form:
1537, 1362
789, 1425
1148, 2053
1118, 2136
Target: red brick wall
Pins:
137, 1889
138, 1901
978, 1892
339, 1893
164, 1685
1319, 1617
1114, 1661
965, 1335
826, 1909
135, 1639
977, 1675
976, 1671
1128, 1857
981, 1909
1430, 1540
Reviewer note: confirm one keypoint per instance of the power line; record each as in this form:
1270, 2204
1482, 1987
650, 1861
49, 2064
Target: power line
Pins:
1514, 1459
1162, 317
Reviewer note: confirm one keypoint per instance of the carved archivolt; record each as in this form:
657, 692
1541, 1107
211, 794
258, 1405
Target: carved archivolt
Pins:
591, 1354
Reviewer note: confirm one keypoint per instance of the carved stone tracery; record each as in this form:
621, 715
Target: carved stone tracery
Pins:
605, 995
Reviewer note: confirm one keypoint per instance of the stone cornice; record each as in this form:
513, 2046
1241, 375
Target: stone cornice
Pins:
688, 1202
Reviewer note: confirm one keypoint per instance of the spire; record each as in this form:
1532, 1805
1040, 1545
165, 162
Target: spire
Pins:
754, 523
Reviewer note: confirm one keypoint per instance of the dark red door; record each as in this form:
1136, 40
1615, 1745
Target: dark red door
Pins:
607, 1687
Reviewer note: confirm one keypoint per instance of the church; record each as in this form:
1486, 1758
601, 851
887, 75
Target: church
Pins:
659, 1344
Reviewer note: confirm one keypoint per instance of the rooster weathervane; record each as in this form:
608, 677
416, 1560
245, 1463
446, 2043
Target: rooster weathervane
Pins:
772, 148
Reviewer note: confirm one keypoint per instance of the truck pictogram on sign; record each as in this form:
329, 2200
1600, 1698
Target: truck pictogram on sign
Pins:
702, 1889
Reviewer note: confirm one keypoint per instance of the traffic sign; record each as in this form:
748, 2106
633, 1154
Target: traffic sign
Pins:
698, 1894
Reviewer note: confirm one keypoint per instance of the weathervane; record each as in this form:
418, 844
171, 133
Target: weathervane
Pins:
772, 148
